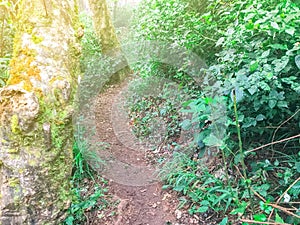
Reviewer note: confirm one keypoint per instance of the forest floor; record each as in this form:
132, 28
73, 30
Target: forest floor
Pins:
136, 195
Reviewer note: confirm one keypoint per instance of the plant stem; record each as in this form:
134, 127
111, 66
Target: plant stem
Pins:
241, 148
239, 135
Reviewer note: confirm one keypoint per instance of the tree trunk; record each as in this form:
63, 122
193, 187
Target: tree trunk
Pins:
109, 42
36, 114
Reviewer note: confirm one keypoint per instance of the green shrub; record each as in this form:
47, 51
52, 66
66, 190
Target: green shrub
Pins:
258, 62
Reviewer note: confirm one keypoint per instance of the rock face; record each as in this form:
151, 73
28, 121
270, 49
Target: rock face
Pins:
36, 132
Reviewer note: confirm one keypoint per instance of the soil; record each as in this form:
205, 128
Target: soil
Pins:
136, 193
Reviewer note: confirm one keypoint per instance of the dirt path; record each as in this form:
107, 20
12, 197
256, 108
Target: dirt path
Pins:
132, 179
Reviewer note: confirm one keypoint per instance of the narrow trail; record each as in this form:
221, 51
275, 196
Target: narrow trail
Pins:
131, 178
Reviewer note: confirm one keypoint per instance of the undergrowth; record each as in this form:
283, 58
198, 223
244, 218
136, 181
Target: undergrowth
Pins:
242, 161
154, 115
88, 188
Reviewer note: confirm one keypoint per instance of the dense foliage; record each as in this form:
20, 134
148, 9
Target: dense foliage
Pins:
7, 13
252, 49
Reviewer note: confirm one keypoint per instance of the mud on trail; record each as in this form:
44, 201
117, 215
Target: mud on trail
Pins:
132, 180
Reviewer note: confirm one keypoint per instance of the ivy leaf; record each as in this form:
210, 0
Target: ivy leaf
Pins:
252, 89
272, 103
282, 104
275, 25
248, 122
280, 64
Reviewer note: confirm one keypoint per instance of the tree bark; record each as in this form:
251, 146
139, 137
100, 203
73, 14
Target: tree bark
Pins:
36, 132
109, 42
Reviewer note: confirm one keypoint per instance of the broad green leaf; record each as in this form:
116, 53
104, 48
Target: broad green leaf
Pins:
204, 202
279, 46
275, 25
262, 189
272, 103
278, 219
241, 118
253, 66
240, 210
202, 209
248, 122
165, 187
224, 221
289, 80
282, 104
260, 117
290, 31
212, 140
265, 54
260, 217
269, 76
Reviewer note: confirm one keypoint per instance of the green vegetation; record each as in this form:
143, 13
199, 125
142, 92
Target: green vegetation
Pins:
6, 39
244, 118
241, 161
154, 118
88, 190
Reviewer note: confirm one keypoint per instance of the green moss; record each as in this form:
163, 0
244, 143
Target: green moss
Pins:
13, 151
13, 182
37, 39
14, 124
22, 68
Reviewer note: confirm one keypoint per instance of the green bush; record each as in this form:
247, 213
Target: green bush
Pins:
258, 61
